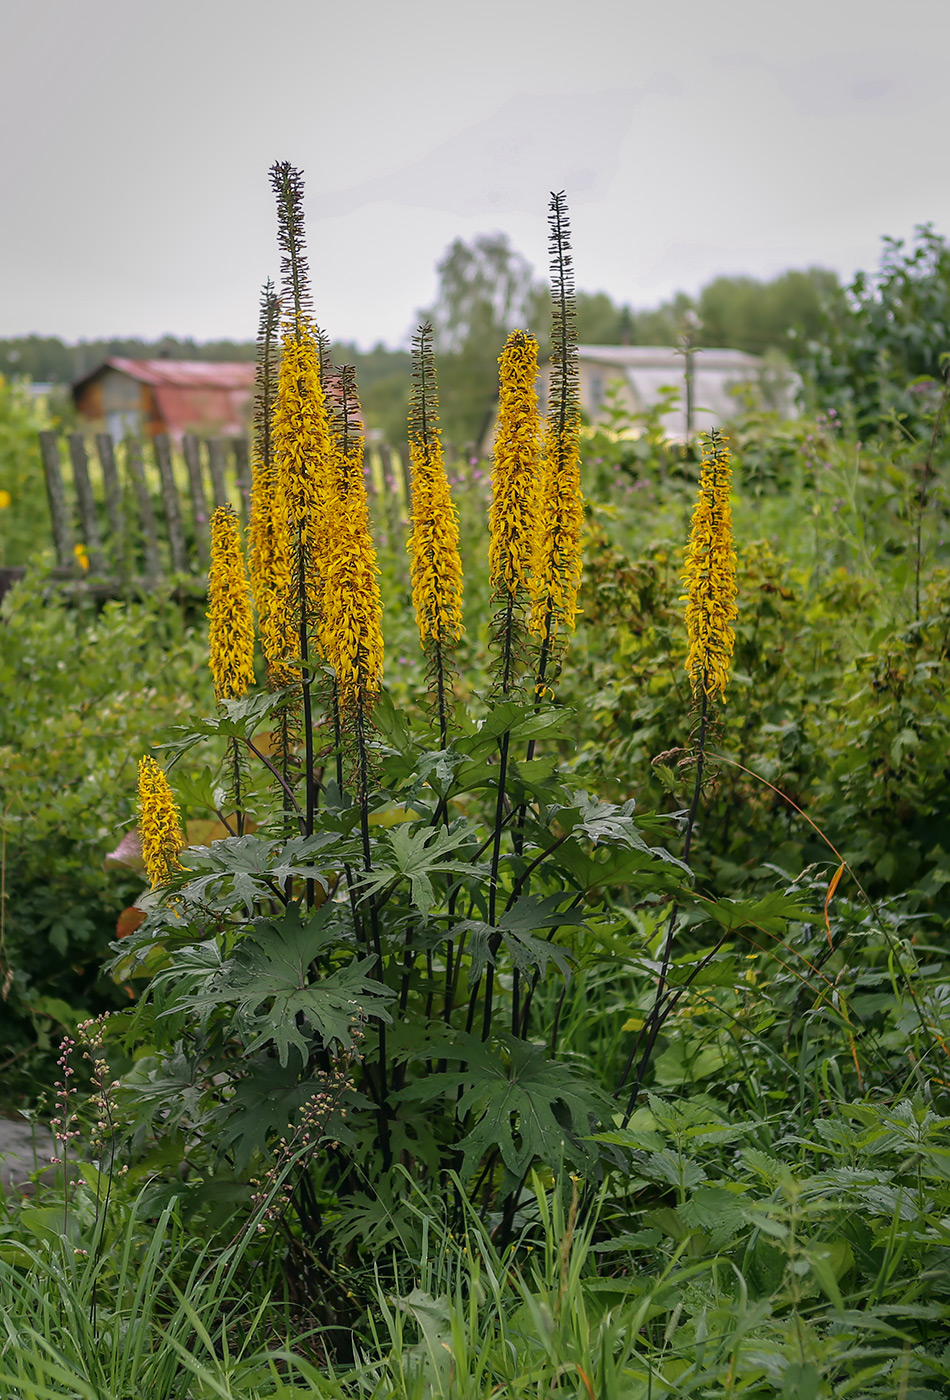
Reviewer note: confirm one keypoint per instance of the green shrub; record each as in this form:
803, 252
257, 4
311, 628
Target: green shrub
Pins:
79, 690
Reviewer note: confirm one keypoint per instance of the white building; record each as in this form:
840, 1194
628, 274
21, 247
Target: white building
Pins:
642, 371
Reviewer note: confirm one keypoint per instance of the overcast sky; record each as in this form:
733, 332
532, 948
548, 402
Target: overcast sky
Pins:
693, 137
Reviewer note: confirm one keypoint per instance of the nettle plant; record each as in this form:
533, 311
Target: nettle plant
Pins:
371, 935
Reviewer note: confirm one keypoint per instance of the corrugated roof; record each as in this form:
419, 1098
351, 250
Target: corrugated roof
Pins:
185, 374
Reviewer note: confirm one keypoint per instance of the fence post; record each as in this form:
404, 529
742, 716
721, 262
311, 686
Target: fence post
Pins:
242, 468
176, 533
153, 565
199, 501
86, 500
105, 449
216, 464
56, 495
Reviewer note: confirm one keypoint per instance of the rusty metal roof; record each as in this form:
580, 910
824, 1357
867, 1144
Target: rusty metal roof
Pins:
188, 394
185, 374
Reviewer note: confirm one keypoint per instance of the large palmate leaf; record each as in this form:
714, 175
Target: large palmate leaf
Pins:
275, 994
515, 931
605, 846
520, 1101
243, 870
773, 912
418, 855
238, 720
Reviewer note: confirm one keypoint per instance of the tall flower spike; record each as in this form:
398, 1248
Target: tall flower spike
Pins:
710, 575
287, 184
514, 502
271, 557
351, 635
436, 566
301, 434
557, 556
230, 621
159, 823
301, 443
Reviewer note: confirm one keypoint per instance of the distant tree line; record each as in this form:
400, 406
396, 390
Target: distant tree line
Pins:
851, 343
382, 374
487, 288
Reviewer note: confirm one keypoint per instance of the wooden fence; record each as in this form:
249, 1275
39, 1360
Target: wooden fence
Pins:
126, 516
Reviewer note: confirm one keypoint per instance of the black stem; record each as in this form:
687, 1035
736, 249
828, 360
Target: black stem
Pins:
382, 1116
285, 786
236, 774
495, 939
655, 1021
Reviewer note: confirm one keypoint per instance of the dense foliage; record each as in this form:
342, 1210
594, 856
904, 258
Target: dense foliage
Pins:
80, 690
882, 353
361, 1120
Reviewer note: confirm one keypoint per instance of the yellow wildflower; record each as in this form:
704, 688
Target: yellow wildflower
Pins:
351, 635
6, 500
159, 823
301, 447
557, 555
230, 623
82, 558
515, 474
301, 436
273, 577
436, 567
434, 544
710, 575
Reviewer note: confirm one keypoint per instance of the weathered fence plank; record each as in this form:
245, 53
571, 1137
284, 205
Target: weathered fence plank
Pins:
153, 563
176, 531
199, 501
216, 465
105, 450
125, 542
86, 501
242, 469
56, 495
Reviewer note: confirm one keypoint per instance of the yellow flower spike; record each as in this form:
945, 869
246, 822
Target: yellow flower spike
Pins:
274, 582
271, 563
557, 558
436, 566
301, 445
301, 435
159, 823
515, 471
710, 575
556, 573
230, 622
351, 635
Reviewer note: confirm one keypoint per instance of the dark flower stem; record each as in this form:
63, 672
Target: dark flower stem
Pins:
661, 1006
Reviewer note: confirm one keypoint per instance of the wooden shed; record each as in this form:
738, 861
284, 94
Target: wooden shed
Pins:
145, 397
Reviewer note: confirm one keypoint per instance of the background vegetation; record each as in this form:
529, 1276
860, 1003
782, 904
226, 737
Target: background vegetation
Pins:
771, 1221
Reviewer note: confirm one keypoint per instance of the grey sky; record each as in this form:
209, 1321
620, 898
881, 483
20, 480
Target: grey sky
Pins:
693, 137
